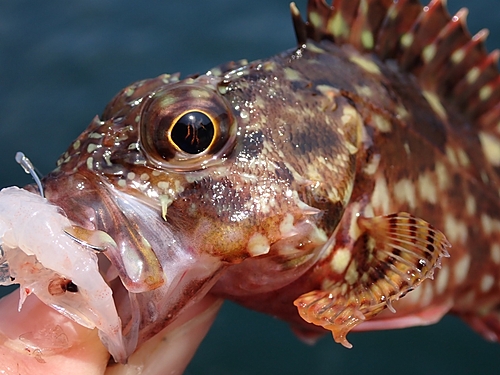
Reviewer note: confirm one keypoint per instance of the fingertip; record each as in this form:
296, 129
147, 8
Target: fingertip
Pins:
39, 340
171, 350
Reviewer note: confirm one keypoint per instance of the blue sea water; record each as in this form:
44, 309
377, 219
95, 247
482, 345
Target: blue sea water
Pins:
61, 62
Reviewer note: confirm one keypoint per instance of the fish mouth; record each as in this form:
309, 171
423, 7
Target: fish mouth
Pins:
129, 274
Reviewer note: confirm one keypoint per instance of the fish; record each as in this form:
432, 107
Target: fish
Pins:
329, 92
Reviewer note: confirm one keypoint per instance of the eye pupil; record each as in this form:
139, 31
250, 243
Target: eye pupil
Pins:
193, 132
71, 287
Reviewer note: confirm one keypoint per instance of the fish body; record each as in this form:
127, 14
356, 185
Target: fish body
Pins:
323, 177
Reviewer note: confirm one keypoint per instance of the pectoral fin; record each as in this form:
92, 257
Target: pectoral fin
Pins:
392, 255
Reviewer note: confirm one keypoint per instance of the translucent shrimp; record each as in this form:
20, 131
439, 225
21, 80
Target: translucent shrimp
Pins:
37, 254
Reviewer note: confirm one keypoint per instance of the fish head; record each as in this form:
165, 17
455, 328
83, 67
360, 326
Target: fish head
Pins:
189, 177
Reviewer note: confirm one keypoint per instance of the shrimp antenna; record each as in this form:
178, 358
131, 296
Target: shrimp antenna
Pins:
24, 162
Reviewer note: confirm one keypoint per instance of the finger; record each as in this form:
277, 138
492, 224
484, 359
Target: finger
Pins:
170, 351
39, 340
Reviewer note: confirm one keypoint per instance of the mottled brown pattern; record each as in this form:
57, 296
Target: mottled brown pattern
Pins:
381, 109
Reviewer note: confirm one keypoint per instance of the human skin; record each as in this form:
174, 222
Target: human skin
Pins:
39, 340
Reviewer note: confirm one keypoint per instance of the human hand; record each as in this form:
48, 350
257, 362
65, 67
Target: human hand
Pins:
39, 340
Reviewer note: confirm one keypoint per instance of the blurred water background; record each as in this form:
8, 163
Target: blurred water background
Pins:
61, 62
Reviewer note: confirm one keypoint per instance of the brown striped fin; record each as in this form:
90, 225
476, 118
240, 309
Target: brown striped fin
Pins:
426, 41
392, 255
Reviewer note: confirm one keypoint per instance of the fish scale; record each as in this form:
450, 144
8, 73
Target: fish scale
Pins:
323, 196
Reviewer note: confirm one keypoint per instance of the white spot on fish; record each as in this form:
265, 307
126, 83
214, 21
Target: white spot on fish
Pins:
382, 124
470, 205
91, 147
401, 112
452, 157
442, 278
429, 52
487, 224
484, 177
352, 275
473, 75
435, 103
458, 56
487, 282
491, 148
133, 146
463, 159
95, 135
258, 245
426, 188
461, 269
404, 191
314, 48
340, 260
407, 40
414, 297
380, 197
365, 91
292, 74
286, 226
365, 64
443, 178
315, 19
407, 148
372, 166
164, 185
367, 39
427, 294
337, 25
455, 230
495, 253
368, 211
485, 92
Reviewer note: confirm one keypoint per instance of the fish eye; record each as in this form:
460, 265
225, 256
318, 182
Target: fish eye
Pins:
193, 132
186, 127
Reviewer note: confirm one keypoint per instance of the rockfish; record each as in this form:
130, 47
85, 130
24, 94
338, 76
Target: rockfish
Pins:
321, 186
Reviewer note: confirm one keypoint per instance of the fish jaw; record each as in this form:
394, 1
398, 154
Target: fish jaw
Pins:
152, 275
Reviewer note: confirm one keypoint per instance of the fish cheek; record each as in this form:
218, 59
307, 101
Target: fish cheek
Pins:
206, 214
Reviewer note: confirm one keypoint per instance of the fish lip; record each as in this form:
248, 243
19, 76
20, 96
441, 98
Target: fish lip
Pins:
187, 275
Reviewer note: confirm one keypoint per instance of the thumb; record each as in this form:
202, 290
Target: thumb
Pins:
39, 340
171, 350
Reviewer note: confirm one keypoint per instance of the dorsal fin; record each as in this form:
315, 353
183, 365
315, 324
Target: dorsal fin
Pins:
425, 40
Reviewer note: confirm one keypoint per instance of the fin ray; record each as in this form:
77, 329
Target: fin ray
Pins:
425, 41
383, 268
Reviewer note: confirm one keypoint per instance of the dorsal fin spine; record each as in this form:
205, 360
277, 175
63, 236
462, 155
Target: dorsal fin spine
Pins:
468, 88
425, 40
